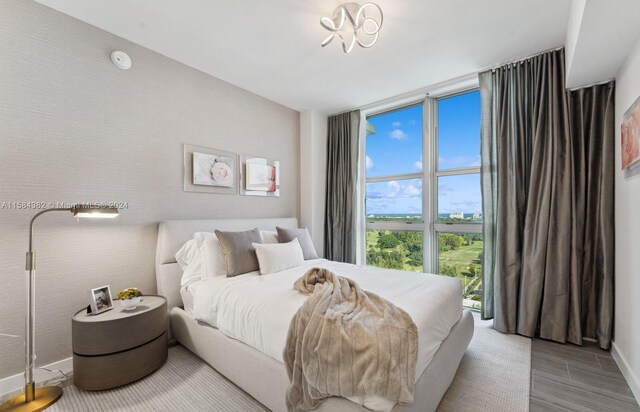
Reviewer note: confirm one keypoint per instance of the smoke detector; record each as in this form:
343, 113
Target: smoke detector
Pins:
121, 60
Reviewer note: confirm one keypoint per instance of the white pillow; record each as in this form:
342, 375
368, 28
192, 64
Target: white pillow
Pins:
276, 257
269, 236
212, 255
190, 261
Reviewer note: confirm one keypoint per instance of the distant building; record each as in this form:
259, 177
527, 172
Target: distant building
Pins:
477, 215
458, 215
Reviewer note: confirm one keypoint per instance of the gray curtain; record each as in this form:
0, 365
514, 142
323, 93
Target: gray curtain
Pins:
547, 181
342, 167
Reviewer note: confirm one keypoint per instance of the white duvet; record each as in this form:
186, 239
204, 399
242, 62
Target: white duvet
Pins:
257, 309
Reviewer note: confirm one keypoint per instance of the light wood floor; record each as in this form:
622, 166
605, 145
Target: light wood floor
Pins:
577, 378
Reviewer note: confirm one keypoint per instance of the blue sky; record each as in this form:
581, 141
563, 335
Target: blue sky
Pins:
396, 148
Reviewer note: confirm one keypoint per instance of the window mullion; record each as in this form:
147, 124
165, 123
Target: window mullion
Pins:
458, 227
388, 178
456, 172
430, 184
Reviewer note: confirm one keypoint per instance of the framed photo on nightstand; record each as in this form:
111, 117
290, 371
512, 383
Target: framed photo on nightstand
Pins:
101, 300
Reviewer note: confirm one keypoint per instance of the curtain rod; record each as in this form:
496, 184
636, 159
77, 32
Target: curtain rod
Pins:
586, 86
425, 90
494, 68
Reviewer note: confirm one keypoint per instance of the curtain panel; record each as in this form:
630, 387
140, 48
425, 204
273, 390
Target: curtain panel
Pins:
340, 206
547, 182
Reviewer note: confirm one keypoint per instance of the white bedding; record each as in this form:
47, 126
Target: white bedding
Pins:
257, 310
187, 294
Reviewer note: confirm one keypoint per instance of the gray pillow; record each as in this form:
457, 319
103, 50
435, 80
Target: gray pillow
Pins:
304, 238
239, 255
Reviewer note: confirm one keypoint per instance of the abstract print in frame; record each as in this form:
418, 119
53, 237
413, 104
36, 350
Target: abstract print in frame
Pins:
209, 170
259, 176
212, 170
630, 136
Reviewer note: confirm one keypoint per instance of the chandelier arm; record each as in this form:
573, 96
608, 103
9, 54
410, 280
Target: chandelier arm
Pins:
326, 26
368, 45
328, 39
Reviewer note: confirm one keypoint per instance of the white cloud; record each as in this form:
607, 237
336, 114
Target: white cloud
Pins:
369, 163
461, 161
418, 164
395, 186
395, 190
394, 197
396, 124
466, 206
411, 191
398, 134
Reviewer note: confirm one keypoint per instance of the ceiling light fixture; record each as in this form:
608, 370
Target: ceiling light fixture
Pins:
353, 23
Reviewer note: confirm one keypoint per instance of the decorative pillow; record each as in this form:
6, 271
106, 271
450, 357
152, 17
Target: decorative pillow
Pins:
303, 236
278, 256
212, 255
190, 261
239, 254
269, 236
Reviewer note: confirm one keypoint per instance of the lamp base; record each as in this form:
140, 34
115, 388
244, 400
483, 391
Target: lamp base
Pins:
44, 397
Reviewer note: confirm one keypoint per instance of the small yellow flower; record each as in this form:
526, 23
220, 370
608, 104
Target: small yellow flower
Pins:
128, 294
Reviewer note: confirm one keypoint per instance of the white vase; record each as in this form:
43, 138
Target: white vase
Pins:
130, 304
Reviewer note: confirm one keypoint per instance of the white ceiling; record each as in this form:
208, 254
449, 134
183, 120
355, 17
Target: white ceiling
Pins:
600, 35
272, 48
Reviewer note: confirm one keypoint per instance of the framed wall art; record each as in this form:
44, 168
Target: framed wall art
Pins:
209, 170
630, 136
259, 176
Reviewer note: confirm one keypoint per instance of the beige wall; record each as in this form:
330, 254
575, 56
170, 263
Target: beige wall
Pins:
313, 174
75, 128
627, 262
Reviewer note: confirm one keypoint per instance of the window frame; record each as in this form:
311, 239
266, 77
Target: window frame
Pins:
437, 226
418, 226
429, 225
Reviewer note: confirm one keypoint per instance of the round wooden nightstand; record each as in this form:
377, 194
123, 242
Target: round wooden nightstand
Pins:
119, 346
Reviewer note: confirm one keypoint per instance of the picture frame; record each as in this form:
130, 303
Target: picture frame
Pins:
259, 176
209, 170
630, 137
213, 170
100, 300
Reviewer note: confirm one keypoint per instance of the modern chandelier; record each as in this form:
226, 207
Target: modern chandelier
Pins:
353, 23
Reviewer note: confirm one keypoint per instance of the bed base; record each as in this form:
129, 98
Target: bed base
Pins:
266, 379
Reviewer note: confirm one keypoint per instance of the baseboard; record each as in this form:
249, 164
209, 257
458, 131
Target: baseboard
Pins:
629, 374
16, 382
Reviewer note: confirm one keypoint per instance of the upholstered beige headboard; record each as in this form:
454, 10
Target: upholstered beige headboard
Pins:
172, 234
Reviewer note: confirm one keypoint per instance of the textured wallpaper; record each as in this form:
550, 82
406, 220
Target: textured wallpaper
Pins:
74, 128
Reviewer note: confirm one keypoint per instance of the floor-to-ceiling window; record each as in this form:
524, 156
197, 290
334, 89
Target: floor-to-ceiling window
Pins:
394, 195
427, 220
457, 222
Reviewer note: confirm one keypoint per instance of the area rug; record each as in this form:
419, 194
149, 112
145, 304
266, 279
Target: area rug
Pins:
493, 376
183, 384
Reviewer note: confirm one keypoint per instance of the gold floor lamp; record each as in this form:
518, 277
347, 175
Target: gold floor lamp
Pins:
38, 399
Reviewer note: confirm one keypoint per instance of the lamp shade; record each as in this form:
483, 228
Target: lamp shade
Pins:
95, 212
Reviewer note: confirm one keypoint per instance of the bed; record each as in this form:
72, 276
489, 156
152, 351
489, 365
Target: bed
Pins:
250, 357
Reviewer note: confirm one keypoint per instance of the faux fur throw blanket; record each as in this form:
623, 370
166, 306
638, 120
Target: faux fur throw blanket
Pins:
346, 342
